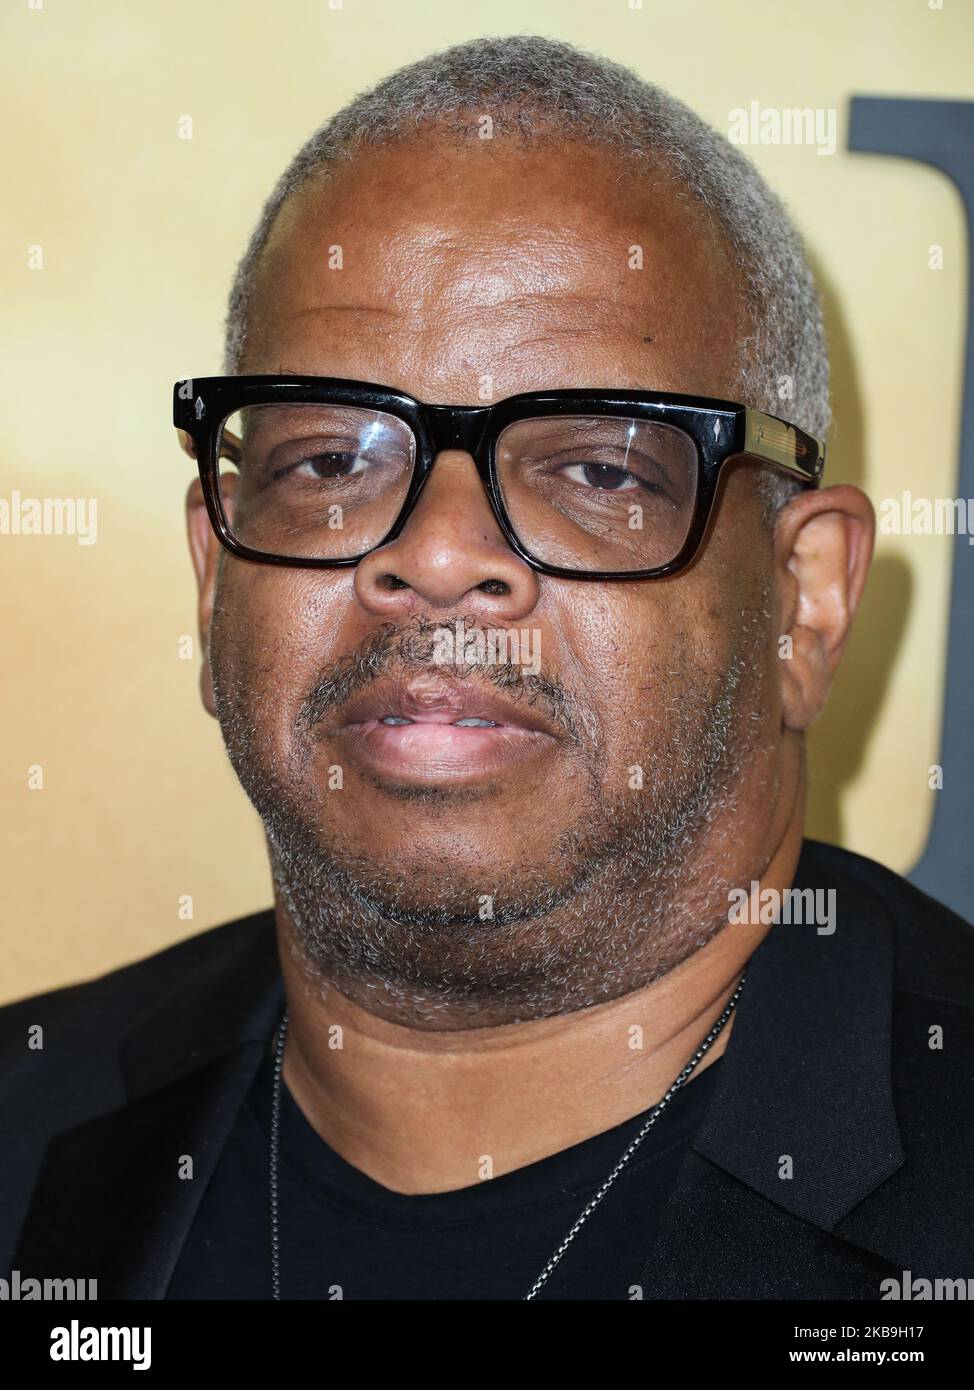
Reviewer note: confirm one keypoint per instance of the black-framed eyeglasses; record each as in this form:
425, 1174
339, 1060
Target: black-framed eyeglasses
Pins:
599, 484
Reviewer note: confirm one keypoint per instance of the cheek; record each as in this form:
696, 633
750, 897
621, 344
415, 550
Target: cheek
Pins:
628, 650
273, 631
650, 659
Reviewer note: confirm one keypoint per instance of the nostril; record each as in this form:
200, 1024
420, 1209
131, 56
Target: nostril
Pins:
392, 581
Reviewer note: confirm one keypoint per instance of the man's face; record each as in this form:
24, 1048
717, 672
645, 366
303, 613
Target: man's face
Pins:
654, 713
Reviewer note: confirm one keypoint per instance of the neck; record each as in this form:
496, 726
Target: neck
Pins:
377, 1090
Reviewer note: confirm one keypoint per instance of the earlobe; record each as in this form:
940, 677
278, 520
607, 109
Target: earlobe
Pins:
823, 546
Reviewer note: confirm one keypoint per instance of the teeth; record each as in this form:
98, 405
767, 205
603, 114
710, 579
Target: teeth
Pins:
470, 723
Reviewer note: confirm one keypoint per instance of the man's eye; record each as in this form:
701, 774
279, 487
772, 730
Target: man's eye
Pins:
334, 463
607, 477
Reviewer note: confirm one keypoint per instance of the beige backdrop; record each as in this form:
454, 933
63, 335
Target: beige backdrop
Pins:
139, 230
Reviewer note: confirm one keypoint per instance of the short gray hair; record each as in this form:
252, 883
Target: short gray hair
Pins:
537, 88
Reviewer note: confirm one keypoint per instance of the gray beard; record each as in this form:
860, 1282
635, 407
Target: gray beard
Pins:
630, 891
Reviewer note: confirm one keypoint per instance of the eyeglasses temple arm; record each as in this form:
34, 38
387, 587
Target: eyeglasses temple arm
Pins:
230, 445
775, 441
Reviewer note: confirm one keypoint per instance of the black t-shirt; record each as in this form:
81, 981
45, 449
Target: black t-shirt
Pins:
343, 1235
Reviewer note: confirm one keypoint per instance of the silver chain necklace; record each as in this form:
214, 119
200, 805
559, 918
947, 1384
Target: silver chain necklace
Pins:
583, 1215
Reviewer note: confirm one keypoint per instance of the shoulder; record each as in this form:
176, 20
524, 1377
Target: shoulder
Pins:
94, 1016
61, 1053
920, 1217
933, 946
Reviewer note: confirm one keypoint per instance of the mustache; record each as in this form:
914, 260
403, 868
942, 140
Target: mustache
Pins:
410, 649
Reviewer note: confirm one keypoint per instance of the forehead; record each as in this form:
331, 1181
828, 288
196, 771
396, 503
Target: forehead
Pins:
470, 272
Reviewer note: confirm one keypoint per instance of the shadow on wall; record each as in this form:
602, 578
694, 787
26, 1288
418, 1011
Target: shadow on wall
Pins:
837, 742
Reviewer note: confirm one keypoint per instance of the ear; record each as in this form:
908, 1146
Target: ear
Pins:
205, 551
823, 546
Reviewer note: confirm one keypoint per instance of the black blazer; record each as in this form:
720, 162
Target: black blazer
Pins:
829, 1061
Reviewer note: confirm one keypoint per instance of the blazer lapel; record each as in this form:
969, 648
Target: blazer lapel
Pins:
772, 1200
720, 1239
115, 1195
114, 1198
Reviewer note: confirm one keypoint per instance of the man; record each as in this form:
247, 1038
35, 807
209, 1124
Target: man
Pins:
519, 1024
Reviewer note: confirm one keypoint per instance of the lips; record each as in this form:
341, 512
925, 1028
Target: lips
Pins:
431, 729
435, 700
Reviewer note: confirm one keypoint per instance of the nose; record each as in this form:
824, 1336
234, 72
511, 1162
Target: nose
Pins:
451, 554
